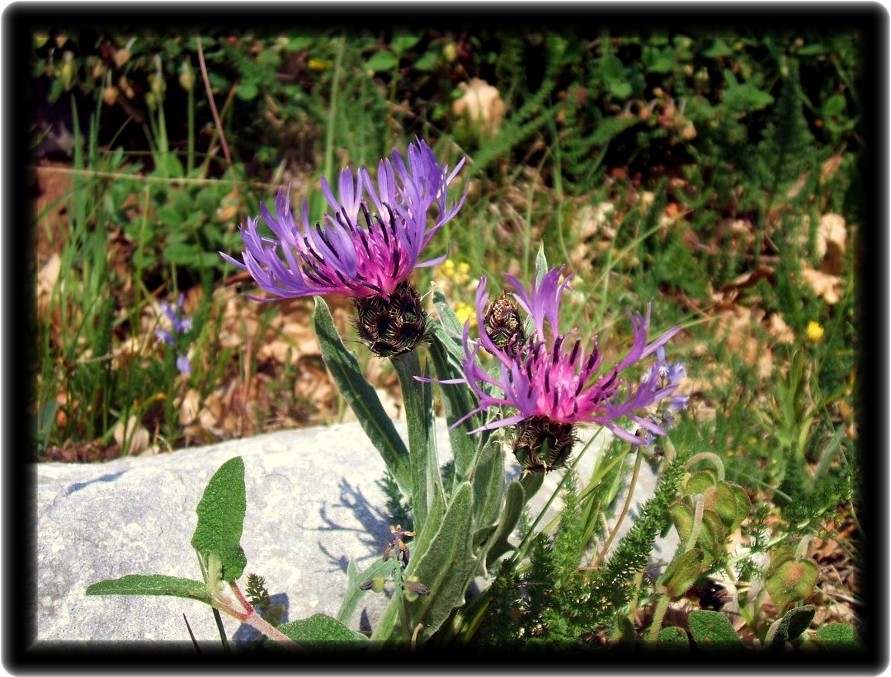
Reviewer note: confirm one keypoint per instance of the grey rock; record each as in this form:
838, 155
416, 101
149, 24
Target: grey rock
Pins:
313, 503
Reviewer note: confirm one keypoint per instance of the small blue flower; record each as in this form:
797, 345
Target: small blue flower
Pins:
180, 325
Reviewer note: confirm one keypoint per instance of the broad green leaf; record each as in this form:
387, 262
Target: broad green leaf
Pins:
361, 398
402, 43
221, 519
681, 513
682, 573
743, 503
247, 91
791, 581
712, 537
320, 632
673, 638
838, 636
699, 482
417, 398
152, 584
426, 62
447, 566
382, 61
444, 563
712, 631
725, 504
789, 627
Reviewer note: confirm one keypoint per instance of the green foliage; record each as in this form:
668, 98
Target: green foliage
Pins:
711, 631
320, 632
151, 584
364, 402
221, 520
560, 603
714, 130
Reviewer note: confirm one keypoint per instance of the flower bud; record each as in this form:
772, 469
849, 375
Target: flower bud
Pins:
158, 85
186, 76
393, 325
503, 322
543, 445
376, 584
110, 95
414, 588
121, 56
68, 71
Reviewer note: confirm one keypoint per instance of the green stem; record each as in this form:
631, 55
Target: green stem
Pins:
418, 402
658, 616
708, 456
625, 508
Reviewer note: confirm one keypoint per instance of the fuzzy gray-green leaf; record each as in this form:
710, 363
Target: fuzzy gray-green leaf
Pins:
361, 398
417, 396
513, 507
221, 519
447, 566
712, 631
151, 584
320, 632
458, 400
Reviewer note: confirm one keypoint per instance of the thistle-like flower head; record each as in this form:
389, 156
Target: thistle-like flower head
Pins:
553, 377
370, 239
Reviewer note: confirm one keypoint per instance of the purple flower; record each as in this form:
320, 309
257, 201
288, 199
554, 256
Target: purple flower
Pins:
552, 378
369, 241
180, 324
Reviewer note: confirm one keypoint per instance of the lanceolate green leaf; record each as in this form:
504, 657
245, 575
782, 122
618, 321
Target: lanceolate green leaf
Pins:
221, 519
361, 397
447, 566
510, 515
152, 584
444, 563
355, 579
424, 467
488, 485
458, 400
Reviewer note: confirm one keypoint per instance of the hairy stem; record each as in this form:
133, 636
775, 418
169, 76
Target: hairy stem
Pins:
625, 508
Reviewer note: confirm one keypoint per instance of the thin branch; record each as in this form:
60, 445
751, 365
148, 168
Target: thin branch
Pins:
213, 105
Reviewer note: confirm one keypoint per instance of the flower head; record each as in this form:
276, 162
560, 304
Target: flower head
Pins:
179, 324
370, 239
554, 382
814, 331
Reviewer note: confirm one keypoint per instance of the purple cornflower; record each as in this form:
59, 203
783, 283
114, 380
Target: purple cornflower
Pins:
368, 243
180, 324
554, 383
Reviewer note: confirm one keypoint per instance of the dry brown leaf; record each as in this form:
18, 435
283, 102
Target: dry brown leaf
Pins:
131, 437
46, 281
827, 287
189, 407
778, 328
830, 167
831, 243
481, 105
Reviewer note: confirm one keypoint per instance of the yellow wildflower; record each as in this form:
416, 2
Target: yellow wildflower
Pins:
814, 331
464, 311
